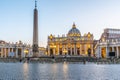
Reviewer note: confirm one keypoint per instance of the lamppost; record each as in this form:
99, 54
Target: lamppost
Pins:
26, 53
65, 52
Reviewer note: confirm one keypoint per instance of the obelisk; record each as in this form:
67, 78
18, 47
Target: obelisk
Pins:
35, 32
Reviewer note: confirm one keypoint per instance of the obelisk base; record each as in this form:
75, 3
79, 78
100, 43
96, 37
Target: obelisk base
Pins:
35, 54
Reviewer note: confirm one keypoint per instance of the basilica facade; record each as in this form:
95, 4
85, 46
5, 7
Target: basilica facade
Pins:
73, 44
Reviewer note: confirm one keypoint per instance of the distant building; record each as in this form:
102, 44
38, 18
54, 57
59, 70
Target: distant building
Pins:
109, 42
42, 51
72, 44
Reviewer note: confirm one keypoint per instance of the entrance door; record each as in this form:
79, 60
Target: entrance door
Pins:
68, 52
51, 52
103, 52
89, 52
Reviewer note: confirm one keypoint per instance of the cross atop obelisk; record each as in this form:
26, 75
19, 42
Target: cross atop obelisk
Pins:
35, 32
35, 4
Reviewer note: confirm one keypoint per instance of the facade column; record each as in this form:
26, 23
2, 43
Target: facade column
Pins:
80, 49
92, 49
16, 53
71, 50
67, 49
74, 49
85, 49
48, 50
54, 51
117, 52
58, 50
62, 49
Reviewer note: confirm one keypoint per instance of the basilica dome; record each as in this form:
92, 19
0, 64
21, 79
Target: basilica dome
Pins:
74, 32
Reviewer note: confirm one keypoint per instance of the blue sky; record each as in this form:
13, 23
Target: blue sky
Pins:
56, 17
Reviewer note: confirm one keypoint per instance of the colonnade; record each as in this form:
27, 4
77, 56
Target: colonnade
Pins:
17, 52
105, 50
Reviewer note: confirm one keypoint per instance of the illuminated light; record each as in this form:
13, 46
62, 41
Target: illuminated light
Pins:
52, 46
88, 46
51, 36
89, 35
82, 38
103, 53
103, 39
65, 51
85, 34
46, 53
86, 52
25, 69
26, 51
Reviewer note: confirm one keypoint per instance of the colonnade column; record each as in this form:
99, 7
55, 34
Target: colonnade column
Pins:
113, 49
99, 54
5, 52
16, 53
22, 54
117, 52
29, 52
1, 52
8, 50
107, 51
12, 50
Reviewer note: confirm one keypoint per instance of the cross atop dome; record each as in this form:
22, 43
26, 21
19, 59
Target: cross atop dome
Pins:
74, 26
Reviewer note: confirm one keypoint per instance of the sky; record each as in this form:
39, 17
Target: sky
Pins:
56, 17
